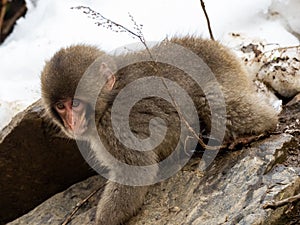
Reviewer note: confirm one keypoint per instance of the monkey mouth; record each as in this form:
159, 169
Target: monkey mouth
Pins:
77, 129
77, 132
80, 131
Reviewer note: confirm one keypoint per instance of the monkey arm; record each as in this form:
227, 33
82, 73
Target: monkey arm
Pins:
118, 203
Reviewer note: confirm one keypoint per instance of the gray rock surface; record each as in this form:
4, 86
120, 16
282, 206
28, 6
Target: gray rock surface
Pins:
232, 191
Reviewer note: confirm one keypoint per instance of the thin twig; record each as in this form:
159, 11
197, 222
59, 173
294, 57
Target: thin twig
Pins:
292, 131
282, 49
110, 24
80, 204
207, 19
2, 13
200, 141
274, 205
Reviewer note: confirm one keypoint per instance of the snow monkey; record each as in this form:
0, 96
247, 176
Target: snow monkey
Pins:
74, 114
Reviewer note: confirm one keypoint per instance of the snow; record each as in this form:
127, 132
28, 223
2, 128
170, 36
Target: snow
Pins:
52, 24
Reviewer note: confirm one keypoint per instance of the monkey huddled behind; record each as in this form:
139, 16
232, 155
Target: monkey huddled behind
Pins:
245, 114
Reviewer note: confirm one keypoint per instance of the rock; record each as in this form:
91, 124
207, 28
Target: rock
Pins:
281, 72
276, 67
295, 100
35, 163
56, 209
232, 191
266, 95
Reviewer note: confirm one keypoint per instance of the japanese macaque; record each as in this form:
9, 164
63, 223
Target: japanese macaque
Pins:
76, 115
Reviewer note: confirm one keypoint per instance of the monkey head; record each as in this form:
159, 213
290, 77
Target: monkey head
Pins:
59, 82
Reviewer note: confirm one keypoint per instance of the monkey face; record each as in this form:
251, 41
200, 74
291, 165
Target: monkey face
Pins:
73, 115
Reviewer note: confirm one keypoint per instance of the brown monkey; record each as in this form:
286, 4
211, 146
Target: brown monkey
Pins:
59, 81
245, 116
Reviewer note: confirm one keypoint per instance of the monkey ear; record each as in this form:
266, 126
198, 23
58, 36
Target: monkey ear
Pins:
109, 75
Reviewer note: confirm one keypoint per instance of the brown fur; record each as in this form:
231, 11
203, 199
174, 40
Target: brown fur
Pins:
245, 114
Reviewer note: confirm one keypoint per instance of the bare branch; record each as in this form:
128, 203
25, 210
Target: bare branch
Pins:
207, 19
80, 204
200, 141
274, 205
282, 49
114, 26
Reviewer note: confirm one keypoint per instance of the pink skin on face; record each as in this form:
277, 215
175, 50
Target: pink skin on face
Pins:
72, 112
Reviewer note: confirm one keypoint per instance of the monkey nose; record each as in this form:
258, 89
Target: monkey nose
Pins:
72, 125
75, 125
71, 121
